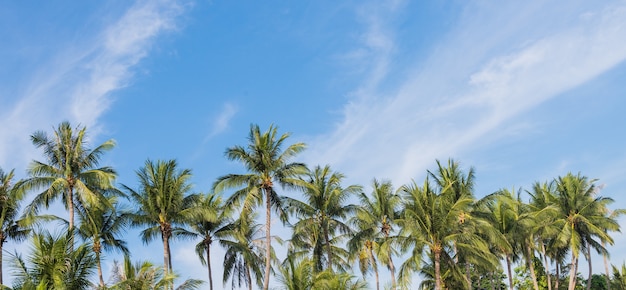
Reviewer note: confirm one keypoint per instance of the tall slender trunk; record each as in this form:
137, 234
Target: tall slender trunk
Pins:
166, 255
208, 262
268, 240
468, 276
372, 261
491, 282
437, 255
1, 252
546, 265
558, 275
70, 207
531, 266
329, 251
572, 273
606, 268
99, 263
508, 270
588, 257
392, 269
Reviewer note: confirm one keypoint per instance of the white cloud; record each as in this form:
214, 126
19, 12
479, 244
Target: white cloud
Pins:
76, 83
469, 87
222, 121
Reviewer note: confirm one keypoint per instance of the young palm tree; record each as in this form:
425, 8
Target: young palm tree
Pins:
618, 282
47, 267
244, 252
323, 211
374, 221
581, 216
102, 225
145, 276
10, 199
267, 163
71, 170
163, 204
210, 226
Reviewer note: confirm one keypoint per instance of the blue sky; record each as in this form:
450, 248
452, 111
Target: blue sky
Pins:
522, 92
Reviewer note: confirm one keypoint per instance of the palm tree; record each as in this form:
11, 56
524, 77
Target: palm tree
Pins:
10, 227
619, 278
210, 227
70, 171
581, 216
145, 276
374, 221
163, 204
456, 184
244, 252
434, 220
103, 225
295, 274
323, 211
505, 219
267, 163
48, 265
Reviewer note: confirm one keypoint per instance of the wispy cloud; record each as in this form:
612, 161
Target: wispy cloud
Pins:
77, 82
469, 87
222, 121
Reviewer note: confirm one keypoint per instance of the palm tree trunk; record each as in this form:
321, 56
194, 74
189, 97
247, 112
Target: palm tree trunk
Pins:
99, 263
508, 269
392, 269
606, 268
491, 282
70, 206
1, 252
268, 240
328, 247
208, 262
166, 254
437, 255
546, 265
531, 266
558, 275
572, 273
371, 253
588, 256
468, 276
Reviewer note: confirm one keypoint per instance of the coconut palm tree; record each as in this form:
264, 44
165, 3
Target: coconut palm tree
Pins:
70, 171
48, 265
210, 226
102, 226
581, 216
10, 226
163, 204
434, 220
298, 274
374, 221
618, 282
323, 211
144, 275
267, 162
244, 252
505, 219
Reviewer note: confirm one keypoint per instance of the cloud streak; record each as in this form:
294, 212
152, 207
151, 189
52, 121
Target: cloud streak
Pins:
76, 83
445, 107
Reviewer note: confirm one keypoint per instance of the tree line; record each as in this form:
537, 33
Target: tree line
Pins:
437, 228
